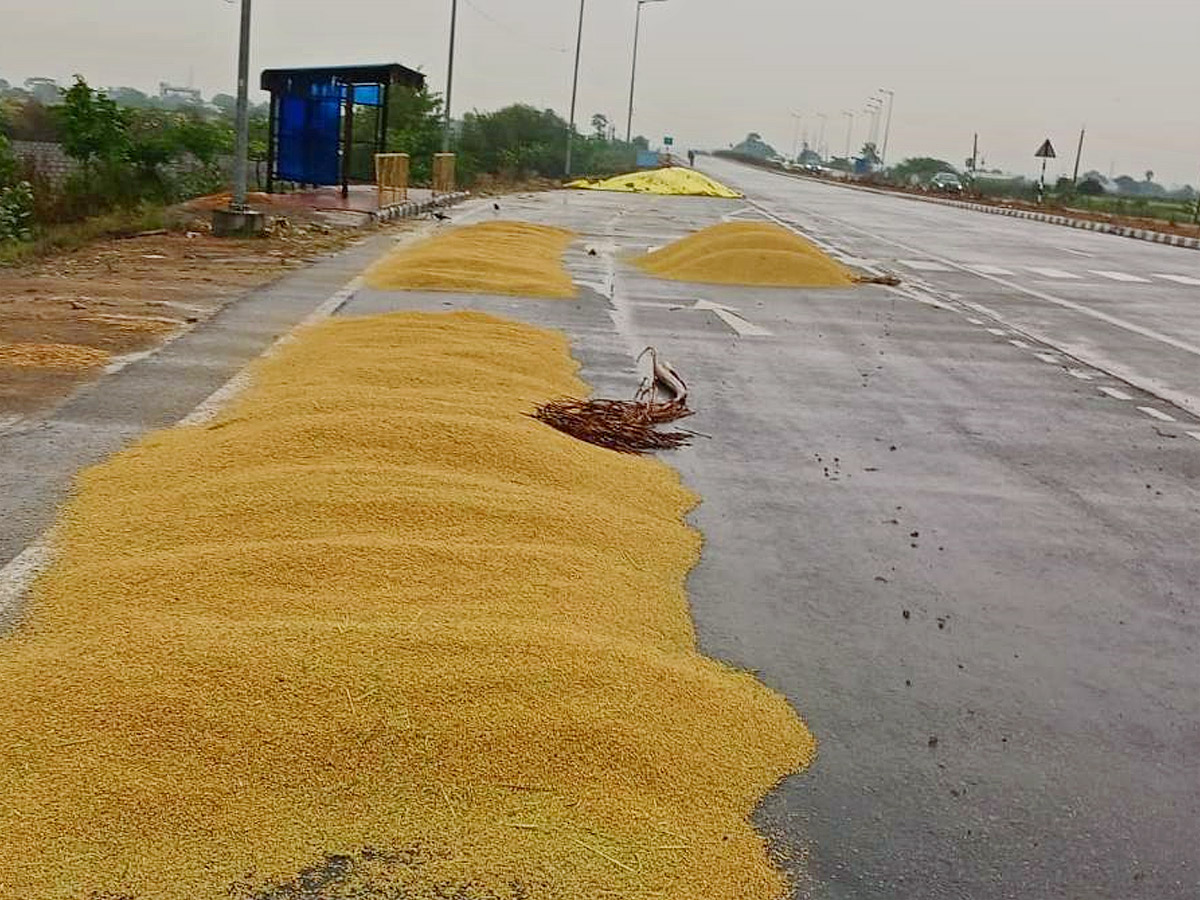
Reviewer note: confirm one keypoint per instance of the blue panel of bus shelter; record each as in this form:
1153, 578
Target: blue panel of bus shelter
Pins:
308, 136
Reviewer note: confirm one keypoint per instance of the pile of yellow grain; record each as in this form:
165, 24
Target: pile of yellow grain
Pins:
375, 605
493, 258
746, 253
674, 181
51, 356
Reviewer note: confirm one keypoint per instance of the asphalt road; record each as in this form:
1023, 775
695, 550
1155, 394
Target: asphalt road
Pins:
932, 519
972, 570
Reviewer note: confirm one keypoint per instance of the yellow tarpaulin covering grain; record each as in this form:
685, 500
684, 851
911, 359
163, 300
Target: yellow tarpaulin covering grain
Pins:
492, 258
377, 622
746, 253
676, 181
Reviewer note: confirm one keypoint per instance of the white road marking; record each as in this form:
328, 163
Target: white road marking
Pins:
1080, 374
1156, 414
16, 577
989, 270
1180, 279
9, 421
730, 317
1047, 358
1076, 252
1120, 276
1115, 394
925, 265
1052, 273
975, 321
1194, 434
998, 332
1020, 345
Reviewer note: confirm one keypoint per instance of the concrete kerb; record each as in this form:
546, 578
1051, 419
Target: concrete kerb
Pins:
412, 208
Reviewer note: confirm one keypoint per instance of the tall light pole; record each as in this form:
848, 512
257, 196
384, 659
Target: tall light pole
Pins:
887, 129
637, 28
449, 78
821, 137
796, 137
574, 89
849, 131
242, 148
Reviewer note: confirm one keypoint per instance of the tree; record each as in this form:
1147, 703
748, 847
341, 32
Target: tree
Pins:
920, 168
226, 103
755, 146
1090, 187
93, 126
600, 126
869, 154
415, 128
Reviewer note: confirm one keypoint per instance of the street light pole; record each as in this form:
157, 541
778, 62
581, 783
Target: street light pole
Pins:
821, 152
887, 129
574, 89
849, 131
796, 137
242, 147
637, 29
449, 78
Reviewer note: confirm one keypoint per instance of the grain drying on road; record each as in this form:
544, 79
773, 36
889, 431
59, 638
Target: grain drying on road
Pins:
377, 613
501, 257
746, 253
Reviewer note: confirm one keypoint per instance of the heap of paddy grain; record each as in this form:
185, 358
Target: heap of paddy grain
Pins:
492, 258
51, 356
673, 181
376, 612
746, 253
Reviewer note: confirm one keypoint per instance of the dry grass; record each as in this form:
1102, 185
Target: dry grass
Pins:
493, 258
746, 253
51, 356
376, 605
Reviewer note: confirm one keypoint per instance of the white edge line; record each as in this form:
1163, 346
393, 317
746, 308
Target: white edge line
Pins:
19, 573
1115, 394
1156, 414
1194, 434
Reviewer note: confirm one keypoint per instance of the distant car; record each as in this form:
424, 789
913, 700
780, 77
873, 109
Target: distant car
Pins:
945, 183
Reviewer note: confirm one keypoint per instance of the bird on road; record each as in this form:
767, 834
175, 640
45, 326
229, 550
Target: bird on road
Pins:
441, 217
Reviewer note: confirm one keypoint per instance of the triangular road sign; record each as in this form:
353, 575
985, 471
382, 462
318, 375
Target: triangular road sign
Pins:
1046, 151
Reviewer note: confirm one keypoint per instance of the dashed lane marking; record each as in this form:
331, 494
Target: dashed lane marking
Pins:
990, 270
1047, 358
1180, 279
1080, 374
1124, 277
1115, 394
1156, 414
1194, 434
1020, 345
998, 332
1052, 273
975, 321
925, 265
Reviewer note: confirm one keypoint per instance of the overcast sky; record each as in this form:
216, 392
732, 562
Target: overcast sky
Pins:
710, 70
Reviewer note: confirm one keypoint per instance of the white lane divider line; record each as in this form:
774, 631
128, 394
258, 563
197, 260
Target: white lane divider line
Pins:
990, 270
1124, 277
1194, 434
1115, 394
975, 321
925, 265
1076, 252
1080, 374
1048, 358
1020, 345
1053, 273
1180, 279
729, 315
1156, 414
998, 332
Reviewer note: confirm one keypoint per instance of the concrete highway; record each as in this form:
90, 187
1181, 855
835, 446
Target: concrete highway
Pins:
955, 522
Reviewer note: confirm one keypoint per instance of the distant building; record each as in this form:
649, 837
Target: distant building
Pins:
173, 94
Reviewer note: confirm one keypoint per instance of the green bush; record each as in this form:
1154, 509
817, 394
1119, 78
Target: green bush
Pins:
16, 212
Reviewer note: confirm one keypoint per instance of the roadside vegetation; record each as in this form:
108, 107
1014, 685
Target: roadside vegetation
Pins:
130, 157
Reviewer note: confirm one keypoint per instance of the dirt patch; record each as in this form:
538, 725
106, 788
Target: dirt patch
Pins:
116, 297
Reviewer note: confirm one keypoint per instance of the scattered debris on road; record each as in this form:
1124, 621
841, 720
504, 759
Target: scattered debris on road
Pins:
514, 258
746, 253
375, 628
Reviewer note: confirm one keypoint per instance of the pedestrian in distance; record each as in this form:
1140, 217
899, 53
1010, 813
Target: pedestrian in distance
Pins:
692, 159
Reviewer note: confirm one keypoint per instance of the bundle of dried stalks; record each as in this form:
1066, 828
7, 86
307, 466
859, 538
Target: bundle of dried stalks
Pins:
627, 426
